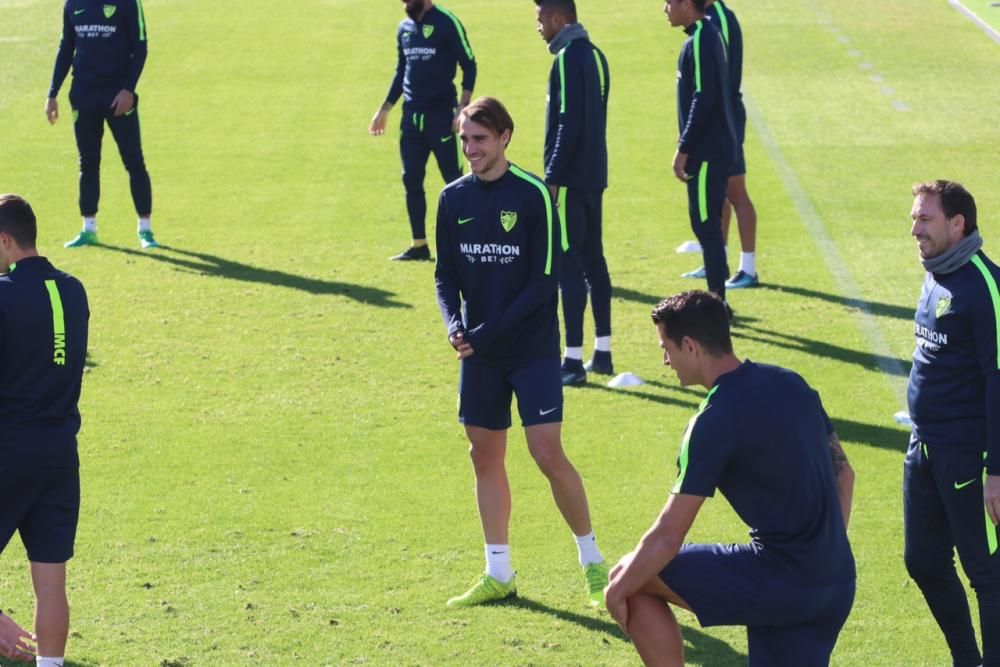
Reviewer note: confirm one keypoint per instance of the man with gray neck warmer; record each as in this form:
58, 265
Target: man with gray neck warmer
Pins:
952, 467
576, 171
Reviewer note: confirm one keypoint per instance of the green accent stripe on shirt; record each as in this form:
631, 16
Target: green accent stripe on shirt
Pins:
520, 173
991, 285
703, 192
562, 80
600, 72
58, 323
696, 46
563, 222
991, 530
461, 31
723, 22
684, 456
142, 21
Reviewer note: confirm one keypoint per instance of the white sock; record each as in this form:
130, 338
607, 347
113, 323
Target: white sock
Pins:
498, 562
144, 225
587, 547
748, 264
574, 353
90, 224
602, 343
48, 662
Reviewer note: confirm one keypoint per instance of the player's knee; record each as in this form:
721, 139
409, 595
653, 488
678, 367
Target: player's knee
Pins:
484, 459
413, 182
923, 569
549, 459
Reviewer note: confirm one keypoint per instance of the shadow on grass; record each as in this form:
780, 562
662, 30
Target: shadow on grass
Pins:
212, 265
866, 360
700, 649
638, 393
893, 438
875, 308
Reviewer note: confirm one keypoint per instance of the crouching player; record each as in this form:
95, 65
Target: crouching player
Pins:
762, 438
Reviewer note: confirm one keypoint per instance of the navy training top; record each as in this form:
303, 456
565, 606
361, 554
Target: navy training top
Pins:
954, 389
428, 53
761, 437
704, 100
43, 346
499, 245
105, 42
732, 35
576, 146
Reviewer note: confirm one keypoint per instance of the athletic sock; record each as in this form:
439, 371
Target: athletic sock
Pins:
144, 224
574, 353
586, 545
89, 224
48, 662
602, 343
748, 263
498, 562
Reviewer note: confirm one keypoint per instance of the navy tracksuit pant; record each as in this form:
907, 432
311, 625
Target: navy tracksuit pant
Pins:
706, 194
583, 267
943, 511
423, 133
90, 113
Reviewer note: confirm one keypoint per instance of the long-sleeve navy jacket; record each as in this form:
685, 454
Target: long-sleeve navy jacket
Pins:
704, 101
105, 43
732, 34
954, 390
499, 245
43, 348
428, 54
576, 148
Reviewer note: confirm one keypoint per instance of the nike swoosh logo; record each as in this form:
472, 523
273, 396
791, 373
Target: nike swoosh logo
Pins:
542, 413
964, 484
448, 138
462, 221
78, 12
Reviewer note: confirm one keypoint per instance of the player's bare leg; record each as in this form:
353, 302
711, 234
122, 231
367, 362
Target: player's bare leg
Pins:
545, 446
652, 626
488, 450
51, 608
738, 199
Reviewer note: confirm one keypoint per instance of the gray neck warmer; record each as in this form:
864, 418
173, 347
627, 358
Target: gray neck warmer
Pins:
957, 257
565, 36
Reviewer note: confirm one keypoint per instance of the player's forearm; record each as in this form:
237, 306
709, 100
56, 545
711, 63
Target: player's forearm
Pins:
64, 61
992, 462
135, 67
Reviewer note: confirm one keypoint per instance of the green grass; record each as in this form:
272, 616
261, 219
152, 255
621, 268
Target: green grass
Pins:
271, 466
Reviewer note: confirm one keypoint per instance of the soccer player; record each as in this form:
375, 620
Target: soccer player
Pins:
737, 197
706, 149
43, 345
105, 43
762, 438
952, 466
16, 643
576, 170
498, 242
431, 42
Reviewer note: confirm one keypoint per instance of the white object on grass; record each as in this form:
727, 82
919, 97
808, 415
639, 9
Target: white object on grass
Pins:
689, 246
625, 380
903, 418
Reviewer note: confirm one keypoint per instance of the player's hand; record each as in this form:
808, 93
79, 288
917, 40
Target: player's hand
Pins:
991, 498
51, 110
377, 126
617, 606
463, 348
123, 102
680, 164
16, 643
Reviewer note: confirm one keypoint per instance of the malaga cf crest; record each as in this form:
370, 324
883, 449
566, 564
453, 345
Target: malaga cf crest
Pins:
428, 31
508, 219
109, 11
943, 306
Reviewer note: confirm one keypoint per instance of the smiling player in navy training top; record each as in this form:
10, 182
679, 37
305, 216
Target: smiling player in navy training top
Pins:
762, 438
499, 245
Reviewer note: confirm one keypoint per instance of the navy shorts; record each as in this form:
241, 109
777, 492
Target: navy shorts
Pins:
788, 622
739, 167
485, 392
43, 505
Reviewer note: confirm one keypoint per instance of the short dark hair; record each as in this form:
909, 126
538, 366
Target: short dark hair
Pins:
491, 114
955, 200
701, 316
18, 220
566, 8
700, 5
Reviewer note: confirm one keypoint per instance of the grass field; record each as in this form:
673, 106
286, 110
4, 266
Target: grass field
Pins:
271, 465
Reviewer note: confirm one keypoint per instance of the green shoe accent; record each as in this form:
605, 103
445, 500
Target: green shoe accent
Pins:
486, 589
146, 240
82, 239
596, 575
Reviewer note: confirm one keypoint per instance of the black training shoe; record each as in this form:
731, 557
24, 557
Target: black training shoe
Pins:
600, 363
573, 372
413, 254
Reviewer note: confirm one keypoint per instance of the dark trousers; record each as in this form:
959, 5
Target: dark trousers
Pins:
88, 125
423, 133
943, 510
706, 194
583, 266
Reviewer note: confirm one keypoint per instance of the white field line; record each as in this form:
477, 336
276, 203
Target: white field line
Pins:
983, 25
